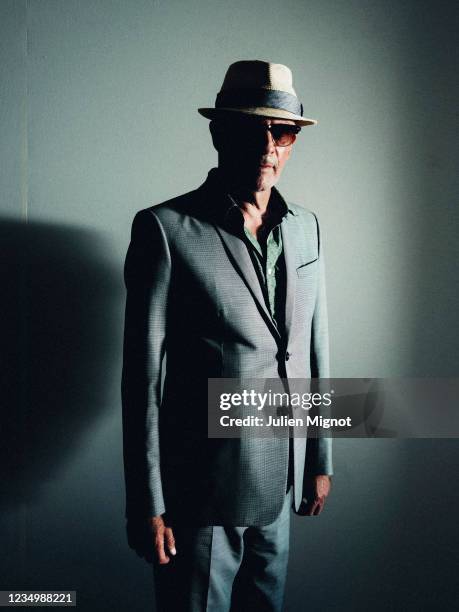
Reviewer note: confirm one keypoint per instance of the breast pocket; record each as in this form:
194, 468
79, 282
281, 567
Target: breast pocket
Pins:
305, 292
308, 268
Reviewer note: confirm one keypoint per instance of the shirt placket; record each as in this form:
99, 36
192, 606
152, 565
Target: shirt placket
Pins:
267, 264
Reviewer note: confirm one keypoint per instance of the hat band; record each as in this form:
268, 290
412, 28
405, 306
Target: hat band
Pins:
249, 98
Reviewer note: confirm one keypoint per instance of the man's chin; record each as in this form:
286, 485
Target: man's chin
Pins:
261, 182
256, 181
264, 184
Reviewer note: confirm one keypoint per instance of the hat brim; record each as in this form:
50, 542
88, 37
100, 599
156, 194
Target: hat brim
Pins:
270, 113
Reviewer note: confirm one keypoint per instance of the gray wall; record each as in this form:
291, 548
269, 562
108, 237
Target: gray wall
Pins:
98, 112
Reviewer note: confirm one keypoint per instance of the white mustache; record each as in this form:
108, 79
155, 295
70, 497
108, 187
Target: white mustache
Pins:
269, 159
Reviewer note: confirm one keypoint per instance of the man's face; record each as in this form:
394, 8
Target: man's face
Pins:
248, 153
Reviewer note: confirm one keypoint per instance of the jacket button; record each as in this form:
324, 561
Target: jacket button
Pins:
287, 356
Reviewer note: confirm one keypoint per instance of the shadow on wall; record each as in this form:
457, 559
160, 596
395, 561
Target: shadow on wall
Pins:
57, 318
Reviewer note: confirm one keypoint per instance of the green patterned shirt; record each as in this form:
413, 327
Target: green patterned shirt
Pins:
266, 260
267, 257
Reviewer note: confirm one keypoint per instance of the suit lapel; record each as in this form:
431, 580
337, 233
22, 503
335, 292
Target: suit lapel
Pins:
288, 242
240, 258
217, 204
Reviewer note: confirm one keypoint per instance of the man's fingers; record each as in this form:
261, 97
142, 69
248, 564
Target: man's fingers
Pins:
318, 506
317, 509
314, 508
170, 540
160, 552
149, 540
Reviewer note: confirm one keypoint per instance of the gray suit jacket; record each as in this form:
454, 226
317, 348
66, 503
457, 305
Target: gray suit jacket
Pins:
193, 294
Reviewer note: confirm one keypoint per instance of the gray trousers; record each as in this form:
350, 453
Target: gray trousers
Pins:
223, 569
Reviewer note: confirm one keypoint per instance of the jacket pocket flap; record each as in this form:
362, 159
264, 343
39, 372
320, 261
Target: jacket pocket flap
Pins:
304, 268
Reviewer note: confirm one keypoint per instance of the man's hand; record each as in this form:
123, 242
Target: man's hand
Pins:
151, 539
315, 491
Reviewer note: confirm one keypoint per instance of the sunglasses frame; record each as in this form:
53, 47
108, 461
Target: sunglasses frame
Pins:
254, 127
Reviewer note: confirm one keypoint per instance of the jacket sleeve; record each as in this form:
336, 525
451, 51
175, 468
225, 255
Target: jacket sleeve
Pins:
319, 450
147, 277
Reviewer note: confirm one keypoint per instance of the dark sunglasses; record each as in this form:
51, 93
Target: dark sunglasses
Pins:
247, 130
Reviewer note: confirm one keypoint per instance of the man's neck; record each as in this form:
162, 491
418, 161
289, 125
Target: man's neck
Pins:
253, 202
255, 209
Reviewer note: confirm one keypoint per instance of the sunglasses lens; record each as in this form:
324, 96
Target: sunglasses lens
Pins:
284, 135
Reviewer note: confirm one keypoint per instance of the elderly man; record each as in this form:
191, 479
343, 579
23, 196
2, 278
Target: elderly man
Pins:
224, 281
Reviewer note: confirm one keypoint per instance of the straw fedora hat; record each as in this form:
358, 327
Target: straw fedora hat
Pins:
260, 88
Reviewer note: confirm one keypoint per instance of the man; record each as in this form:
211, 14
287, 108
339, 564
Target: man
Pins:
224, 281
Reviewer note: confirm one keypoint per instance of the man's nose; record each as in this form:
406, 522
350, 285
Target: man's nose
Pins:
269, 146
